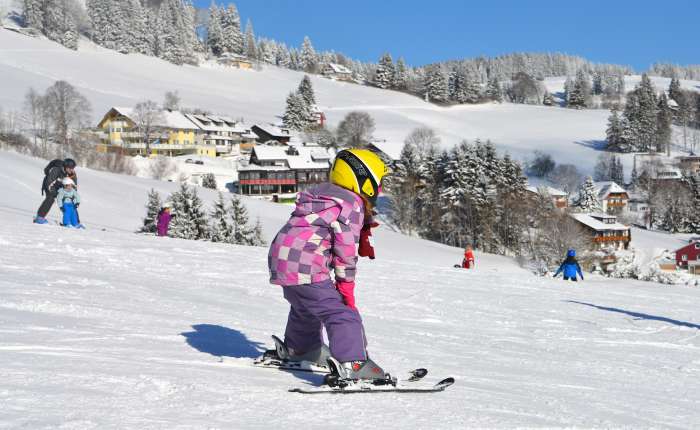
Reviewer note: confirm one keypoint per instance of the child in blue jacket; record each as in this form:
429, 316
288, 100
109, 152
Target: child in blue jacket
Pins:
68, 201
570, 267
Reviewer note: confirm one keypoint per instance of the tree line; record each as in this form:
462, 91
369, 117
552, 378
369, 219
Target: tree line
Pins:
227, 222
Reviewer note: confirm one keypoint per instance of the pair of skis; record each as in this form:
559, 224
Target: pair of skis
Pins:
335, 385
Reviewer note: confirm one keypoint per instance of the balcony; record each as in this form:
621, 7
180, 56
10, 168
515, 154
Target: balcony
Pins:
611, 239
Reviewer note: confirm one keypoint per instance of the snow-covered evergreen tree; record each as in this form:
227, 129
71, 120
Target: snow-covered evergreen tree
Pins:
153, 207
232, 36
209, 181
384, 75
405, 183
256, 237
587, 198
640, 115
34, 13
614, 132
215, 32
242, 233
221, 224
664, 118
493, 91
400, 75
597, 88
579, 95
250, 46
190, 221
674, 90
307, 91
309, 60
436, 88
297, 115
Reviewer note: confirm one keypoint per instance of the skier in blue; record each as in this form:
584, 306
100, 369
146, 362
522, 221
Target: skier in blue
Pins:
570, 267
68, 201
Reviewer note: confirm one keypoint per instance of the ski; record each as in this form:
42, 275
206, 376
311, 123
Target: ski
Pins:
368, 387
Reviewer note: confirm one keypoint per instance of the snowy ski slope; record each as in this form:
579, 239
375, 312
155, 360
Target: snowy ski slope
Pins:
108, 78
112, 330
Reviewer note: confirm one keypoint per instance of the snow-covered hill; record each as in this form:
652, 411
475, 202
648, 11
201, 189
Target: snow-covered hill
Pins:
108, 78
108, 329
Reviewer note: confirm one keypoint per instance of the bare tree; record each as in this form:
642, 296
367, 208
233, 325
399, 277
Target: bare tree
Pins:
424, 139
172, 100
33, 109
162, 167
566, 176
355, 130
68, 109
556, 234
148, 117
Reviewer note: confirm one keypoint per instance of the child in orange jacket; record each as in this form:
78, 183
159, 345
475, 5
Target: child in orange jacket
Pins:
468, 261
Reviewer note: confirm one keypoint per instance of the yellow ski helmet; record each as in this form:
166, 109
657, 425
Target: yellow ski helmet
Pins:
360, 171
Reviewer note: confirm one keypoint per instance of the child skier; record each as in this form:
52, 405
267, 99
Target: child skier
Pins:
164, 217
468, 261
570, 267
323, 232
68, 201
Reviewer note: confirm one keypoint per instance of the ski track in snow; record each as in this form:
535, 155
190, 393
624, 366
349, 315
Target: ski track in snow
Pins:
109, 329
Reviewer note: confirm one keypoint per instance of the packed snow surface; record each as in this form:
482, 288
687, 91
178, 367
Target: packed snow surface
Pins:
108, 79
109, 329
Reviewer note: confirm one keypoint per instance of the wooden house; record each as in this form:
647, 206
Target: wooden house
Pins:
268, 132
337, 72
604, 230
688, 254
275, 169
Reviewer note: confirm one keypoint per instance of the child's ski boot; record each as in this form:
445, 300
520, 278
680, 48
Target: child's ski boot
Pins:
356, 372
284, 358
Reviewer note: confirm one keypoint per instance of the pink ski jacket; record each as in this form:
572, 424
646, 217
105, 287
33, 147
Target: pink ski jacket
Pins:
322, 233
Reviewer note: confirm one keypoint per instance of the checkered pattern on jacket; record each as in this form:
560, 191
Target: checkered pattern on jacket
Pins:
322, 233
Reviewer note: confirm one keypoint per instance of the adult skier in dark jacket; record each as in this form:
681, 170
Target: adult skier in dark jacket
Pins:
54, 174
570, 267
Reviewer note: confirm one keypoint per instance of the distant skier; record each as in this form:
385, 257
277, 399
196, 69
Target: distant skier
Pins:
323, 232
68, 201
164, 218
54, 173
570, 267
468, 261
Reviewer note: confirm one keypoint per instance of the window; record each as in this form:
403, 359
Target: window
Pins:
684, 257
697, 245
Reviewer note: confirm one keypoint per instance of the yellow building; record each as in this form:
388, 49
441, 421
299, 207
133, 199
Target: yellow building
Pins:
172, 134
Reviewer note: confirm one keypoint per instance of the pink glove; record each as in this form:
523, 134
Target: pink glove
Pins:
346, 289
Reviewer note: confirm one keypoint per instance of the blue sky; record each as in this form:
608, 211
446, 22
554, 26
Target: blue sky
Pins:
635, 33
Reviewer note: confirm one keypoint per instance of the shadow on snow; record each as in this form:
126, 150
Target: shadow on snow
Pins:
226, 342
639, 315
596, 145
222, 342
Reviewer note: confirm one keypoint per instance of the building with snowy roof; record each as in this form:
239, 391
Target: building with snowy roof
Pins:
604, 230
558, 197
172, 133
337, 72
279, 170
268, 132
612, 197
229, 136
235, 60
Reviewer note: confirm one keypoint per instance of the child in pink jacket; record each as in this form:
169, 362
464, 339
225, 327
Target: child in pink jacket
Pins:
321, 236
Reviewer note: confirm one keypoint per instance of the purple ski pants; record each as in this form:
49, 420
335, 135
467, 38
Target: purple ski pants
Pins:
319, 305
